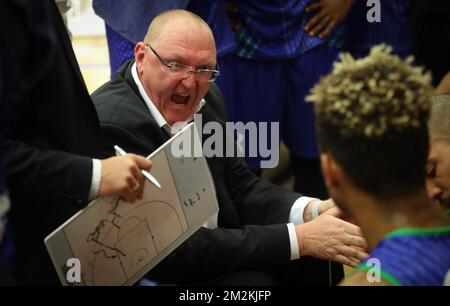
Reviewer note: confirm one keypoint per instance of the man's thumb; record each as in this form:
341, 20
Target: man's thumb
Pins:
142, 162
335, 212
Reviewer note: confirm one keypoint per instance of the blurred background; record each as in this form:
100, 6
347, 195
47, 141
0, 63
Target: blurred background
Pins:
89, 43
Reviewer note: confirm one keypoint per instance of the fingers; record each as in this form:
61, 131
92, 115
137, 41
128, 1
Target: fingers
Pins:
334, 211
326, 205
313, 6
138, 185
349, 256
354, 236
352, 252
313, 22
328, 16
338, 213
137, 182
122, 177
321, 26
352, 229
132, 191
362, 254
141, 161
348, 261
127, 192
354, 241
144, 164
328, 29
141, 184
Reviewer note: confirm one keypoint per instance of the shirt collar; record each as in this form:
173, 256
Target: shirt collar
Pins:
151, 106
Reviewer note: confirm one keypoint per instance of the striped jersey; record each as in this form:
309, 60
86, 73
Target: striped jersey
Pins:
273, 29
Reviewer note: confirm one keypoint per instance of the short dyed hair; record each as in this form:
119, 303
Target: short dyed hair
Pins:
371, 116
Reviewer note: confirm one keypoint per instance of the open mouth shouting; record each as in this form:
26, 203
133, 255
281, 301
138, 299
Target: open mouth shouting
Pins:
180, 99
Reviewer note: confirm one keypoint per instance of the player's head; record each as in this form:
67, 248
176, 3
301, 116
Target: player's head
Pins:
371, 116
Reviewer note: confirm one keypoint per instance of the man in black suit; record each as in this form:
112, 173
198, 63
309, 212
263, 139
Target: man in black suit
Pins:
52, 135
254, 237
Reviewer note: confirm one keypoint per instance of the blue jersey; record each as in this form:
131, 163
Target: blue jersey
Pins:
213, 12
273, 29
357, 34
131, 19
413, 257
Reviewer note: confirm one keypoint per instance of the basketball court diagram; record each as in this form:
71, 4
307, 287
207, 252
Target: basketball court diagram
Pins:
129, 236
117, 242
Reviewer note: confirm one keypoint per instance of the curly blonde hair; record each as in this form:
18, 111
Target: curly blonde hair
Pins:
373, 96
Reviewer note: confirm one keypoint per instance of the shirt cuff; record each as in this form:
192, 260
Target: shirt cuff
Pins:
295, 253
96, 178
297, 210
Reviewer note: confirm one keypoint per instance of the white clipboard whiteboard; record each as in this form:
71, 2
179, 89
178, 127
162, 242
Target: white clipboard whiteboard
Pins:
117, 243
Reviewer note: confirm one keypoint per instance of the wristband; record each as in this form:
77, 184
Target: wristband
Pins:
315, 209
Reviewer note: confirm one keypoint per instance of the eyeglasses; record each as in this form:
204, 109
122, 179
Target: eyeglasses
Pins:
201, 75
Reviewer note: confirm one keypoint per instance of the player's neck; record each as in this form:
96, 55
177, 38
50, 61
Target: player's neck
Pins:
377, 218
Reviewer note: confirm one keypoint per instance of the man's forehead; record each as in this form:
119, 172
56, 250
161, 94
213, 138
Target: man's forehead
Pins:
183, 46
439, 150
439, 136
184, 29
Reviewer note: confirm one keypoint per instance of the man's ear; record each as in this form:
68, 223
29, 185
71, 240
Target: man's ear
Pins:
329, 170
139, 55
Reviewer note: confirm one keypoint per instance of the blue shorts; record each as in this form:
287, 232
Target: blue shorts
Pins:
274, 91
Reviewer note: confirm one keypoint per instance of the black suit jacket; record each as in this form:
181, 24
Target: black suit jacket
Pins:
252, 232
52, 128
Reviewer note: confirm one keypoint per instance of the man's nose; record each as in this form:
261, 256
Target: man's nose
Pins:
189, 80
434, 191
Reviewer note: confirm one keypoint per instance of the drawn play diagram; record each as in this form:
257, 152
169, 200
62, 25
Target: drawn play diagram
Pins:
118, 242
129, 236
118, 246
